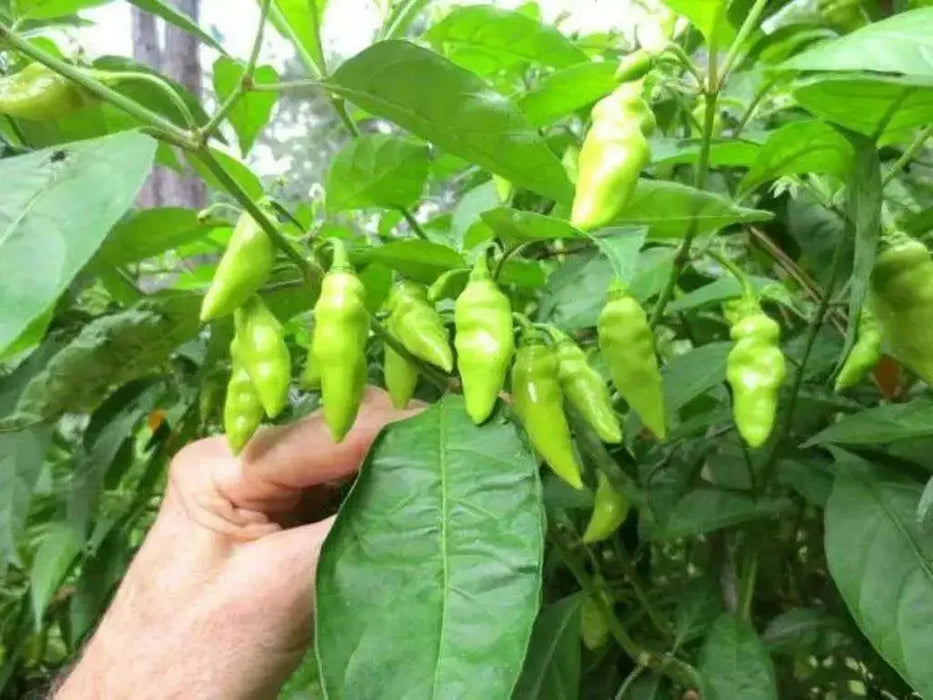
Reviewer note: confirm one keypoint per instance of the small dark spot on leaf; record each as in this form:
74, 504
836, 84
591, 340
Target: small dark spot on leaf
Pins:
59, 155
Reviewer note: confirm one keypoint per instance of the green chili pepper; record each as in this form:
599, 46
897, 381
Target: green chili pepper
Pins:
538, 402
594, 627
243, 269
38, 93
263, 353
585, 389
634, 66
484, 341
418, 326
339, 343
627, 343
242, 406
401, 376
755, 370
613, 153
610, 509
864, 354
902, 299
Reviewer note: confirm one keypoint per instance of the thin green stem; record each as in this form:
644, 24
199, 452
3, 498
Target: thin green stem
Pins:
107, 77
753, 105
176, 135
413, 223
747, 585
340, 107
907, 155
436, 377
660, 624
287, 85
747, 289
283, 210
749, 24
508, 253
680, 57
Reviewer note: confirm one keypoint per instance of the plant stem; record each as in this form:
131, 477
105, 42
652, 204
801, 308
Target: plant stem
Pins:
907, 155
413, 223
113, 77
753, 105
508, 253
436, 377
287, 85
660, 624
749, 23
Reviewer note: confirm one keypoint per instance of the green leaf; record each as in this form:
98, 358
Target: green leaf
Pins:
146, 233
902, 43
469, 208
565, 91
882, 563
299, 22
241, 174
423, 261
885, 423
734, 664
727, 153
377, 170
893, 106
459, 113
107, 353
709, 16
716, 292
621, 246
401, 14
708, 509
50, 9
552, 666
514, 226
100, 574
694, 373
798, 629
486, 39
800, 147
699, 602
21, 459
58, 204
57, 551
305, 682
252, 110
667, 208
441, 539
174, 16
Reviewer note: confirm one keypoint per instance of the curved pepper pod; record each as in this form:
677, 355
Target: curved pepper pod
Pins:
418, 326
401, 376
902, 299
634, 66
244, 268
484, 341
38, 93
263, 353
610, 509
242, 405
864, 354
539, 403
627, 343
755, 370
586, 390
339, 345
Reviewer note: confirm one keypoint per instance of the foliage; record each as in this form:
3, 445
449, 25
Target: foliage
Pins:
782, 156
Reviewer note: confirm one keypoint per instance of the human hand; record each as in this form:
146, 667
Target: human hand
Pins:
217, 602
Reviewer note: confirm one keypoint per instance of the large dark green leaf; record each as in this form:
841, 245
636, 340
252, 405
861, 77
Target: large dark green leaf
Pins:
485, 39
734, 664
428, 583
149, 232
882, 562
902, 43
694, 373
552, 666
377, 170
568, 90
707, 509
252, 110
21, 456
722, 152
57, 206
420, 260
59, 546
885, 423
447, 105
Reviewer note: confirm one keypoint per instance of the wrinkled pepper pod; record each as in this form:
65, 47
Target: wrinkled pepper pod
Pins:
594, 627
401, 376
418, 326
484, 341
634, 66
242, 407
902, 299
627, 343
263, 353
585, 389
755, 370
610, 509
339, 343
864, 354
38, 93
244, 268
539, 404
613, 153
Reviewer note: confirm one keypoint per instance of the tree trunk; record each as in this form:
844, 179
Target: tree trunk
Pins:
146, 50
182, 61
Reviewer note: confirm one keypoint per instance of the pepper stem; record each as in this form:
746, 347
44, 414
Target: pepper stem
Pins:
748, 291
341, 260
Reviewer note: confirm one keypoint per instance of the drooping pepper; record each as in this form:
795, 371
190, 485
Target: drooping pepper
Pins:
339, 343
610, 508
594, 626
627, 343
484, 341
864, 354
613, 153
418, 325
585, 389
243, 269
755, 369
242, 406
902, 299
263, 353
40, 94
401, 376
539, 403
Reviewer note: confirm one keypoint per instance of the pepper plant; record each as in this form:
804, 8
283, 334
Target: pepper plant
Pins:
667, 305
